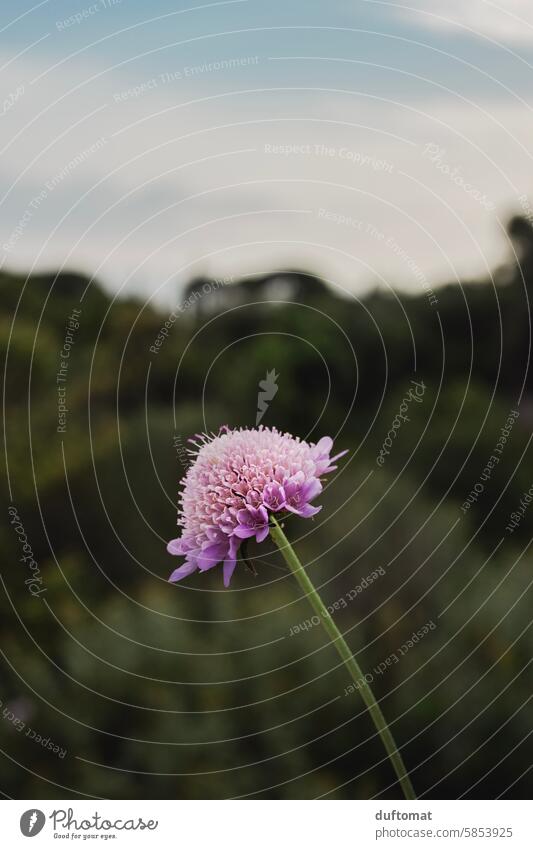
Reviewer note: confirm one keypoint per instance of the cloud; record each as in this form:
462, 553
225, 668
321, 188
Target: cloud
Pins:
201, 176
505, 21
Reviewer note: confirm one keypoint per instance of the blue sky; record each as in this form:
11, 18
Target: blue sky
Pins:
375, 142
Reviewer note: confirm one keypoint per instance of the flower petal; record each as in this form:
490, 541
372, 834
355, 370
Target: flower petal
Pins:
305, 510
339, 455
323, 446
174, 546
310, 490
244, 531
211, 555
180, 546
182, 572
231, 560
228, 570
262, 533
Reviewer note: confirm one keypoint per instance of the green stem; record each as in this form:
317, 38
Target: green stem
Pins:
347, 657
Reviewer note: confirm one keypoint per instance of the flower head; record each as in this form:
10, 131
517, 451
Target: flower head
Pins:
236, 480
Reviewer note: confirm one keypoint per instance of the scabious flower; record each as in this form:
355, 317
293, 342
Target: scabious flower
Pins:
236, 488
235, 481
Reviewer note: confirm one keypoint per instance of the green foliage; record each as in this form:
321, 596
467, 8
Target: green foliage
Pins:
192, 691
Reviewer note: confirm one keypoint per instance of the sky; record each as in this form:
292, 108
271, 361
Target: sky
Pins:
374, 143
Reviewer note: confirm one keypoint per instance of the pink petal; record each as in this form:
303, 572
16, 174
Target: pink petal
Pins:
182, 572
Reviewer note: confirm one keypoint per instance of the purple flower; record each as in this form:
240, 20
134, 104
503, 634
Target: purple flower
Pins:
321, 453
274, 497
253, 522
236, 479
299, 492
230, 560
